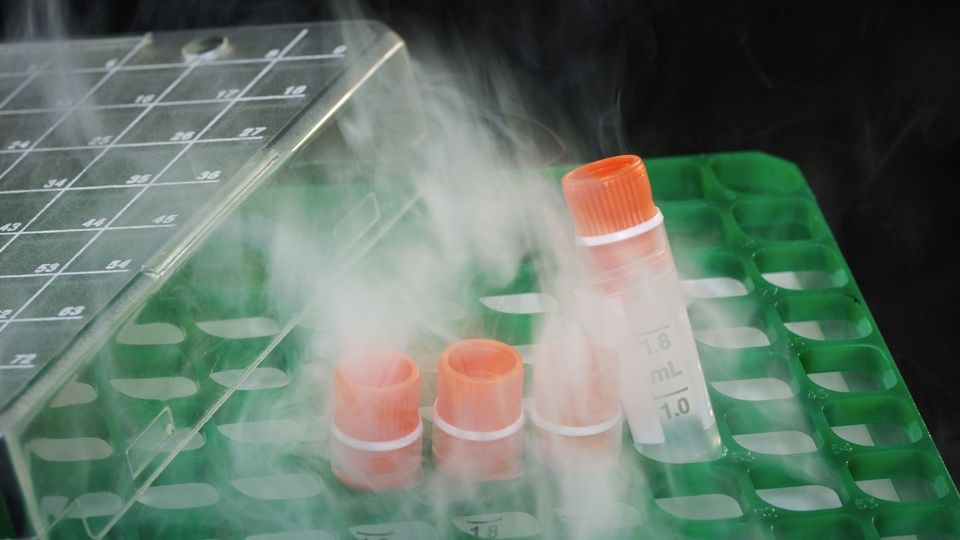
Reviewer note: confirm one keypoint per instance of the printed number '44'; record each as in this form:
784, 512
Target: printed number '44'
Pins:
95, 222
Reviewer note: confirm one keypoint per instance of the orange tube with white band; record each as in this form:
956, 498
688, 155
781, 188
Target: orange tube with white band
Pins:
576, 402
376, 429
478, 417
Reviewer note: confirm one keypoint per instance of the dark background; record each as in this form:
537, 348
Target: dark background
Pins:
864, 96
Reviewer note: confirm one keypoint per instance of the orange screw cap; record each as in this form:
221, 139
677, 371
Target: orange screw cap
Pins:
609, 195
478, 417
377, 431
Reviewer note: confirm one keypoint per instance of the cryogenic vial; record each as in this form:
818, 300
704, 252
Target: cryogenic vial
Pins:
576, 403
377, 431
478, 416
662, 387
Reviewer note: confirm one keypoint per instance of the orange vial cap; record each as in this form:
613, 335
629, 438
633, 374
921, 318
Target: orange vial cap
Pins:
615, 219
377, 431
609, 195
478, 416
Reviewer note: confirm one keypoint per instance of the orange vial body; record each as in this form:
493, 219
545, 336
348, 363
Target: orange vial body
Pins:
478, 416
377, 431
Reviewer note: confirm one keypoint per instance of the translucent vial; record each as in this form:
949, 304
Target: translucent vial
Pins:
478, 416
377, 431
576, 410
662, 387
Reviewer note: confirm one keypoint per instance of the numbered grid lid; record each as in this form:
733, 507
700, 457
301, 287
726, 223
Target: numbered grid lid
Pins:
115, 153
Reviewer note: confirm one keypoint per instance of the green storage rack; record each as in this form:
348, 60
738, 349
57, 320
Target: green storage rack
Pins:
820, 436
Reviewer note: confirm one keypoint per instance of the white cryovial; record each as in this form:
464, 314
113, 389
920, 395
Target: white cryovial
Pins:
662, 387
